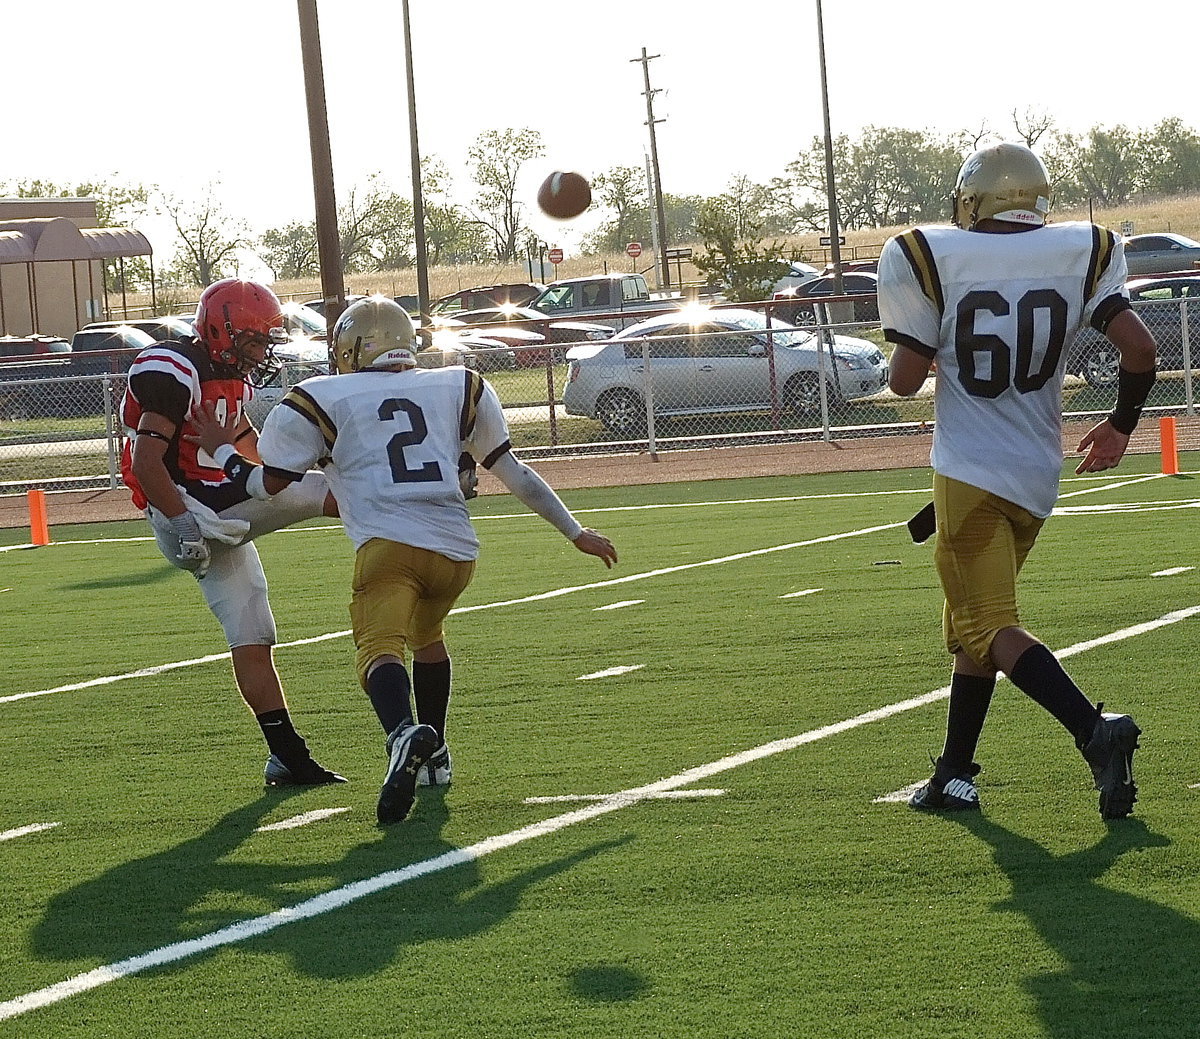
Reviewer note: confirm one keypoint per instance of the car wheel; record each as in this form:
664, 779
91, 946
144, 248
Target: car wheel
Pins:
622, 412
802, 395
1099, 364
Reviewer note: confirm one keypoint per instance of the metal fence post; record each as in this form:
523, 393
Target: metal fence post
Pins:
111, 426
822, 314
1187, 357
651, 442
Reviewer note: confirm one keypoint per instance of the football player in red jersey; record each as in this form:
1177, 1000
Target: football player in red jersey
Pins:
203, 521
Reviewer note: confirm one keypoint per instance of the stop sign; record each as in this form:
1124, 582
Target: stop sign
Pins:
633, 250
554, 255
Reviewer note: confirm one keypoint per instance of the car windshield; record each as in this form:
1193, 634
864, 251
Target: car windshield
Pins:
303, 319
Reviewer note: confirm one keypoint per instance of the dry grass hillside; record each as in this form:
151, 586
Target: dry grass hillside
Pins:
1180, 214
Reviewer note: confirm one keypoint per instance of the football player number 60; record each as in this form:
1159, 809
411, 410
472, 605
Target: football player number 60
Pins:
968, 343
428, 472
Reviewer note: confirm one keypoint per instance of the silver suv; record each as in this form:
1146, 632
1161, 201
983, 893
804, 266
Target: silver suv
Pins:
715, 362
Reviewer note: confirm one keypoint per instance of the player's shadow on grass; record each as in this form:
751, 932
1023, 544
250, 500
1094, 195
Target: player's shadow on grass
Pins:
1131, 965
204, 884
451, 903
125, 580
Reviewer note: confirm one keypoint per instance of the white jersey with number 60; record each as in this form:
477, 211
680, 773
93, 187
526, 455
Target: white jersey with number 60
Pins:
997, 312
389, 443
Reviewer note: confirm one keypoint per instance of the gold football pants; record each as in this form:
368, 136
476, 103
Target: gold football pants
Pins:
401, 595
982, 543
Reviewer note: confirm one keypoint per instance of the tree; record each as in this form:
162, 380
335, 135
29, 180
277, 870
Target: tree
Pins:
1169, 159
621, 189
291, 251
451, 235
208, 237
744, 267
495, 160
375, 227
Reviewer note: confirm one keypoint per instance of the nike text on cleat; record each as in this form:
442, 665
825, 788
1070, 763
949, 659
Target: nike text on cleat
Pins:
1110, 754
299, 773
948, 790
436, 771
409, 747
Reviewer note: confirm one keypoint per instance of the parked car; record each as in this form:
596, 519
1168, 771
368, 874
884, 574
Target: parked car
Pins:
457, 345
317, 306
1152, 253
125, 339
27, 346
715, 362
794, 274
864, 283
516, 294
25, 358
169, 329
1159, 302
498, 321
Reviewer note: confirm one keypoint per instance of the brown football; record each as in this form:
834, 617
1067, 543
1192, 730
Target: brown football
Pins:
564, 195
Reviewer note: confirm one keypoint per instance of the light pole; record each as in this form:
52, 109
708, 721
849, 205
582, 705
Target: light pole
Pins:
835, 248
329, 250
659, 211
418, 198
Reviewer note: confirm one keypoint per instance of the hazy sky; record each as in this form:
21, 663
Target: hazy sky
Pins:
179, 93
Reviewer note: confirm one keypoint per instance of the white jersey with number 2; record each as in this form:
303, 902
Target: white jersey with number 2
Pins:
389, 443
997, 313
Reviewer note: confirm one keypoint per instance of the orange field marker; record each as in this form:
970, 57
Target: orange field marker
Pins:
39, 527
1170, 450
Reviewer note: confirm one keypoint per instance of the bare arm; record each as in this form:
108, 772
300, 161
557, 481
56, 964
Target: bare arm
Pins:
149, 468
1104, 443
907, 370
537, 495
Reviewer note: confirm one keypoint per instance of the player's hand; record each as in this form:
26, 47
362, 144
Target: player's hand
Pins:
210, 432
596, 544
1105, 447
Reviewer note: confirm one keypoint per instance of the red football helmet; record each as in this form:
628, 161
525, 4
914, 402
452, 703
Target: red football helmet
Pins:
235, 320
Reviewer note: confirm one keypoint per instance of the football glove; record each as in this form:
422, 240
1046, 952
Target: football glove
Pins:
467, 479
193, 554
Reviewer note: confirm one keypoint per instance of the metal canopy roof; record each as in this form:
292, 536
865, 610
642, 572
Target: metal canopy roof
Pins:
57, 238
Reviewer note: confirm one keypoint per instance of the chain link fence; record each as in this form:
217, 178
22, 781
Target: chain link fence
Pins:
685, 379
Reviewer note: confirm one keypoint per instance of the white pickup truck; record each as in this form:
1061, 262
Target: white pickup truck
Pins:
607, 297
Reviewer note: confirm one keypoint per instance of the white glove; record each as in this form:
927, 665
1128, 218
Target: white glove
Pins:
193, 553
214, 527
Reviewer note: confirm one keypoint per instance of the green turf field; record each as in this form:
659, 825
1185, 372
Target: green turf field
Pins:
742, 877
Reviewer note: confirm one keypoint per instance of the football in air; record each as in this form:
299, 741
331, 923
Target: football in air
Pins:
564, 195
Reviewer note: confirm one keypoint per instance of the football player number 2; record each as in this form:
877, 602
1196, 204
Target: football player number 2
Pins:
970, 346
428, 472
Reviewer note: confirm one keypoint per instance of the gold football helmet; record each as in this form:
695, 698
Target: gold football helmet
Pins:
375, 332
1002, 181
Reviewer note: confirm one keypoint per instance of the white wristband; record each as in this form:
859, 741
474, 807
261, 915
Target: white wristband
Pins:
223, 453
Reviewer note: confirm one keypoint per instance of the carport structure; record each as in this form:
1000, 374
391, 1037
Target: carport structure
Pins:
52, 273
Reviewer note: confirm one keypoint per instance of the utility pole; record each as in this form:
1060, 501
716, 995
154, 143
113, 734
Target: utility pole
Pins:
329, 248
660, 216
835, 247
418, 197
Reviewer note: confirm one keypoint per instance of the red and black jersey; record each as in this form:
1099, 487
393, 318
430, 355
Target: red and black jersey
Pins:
170, 379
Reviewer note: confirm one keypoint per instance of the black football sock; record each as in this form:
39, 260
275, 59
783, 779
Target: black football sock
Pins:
970, 697
387, 688
431, 690
281, 736
1039, 675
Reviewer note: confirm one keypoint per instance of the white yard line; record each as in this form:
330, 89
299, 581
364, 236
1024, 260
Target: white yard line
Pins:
797, 595
666, 795
611, 672
314, 816
619, 605
22, 831
349, 893
1172, 571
